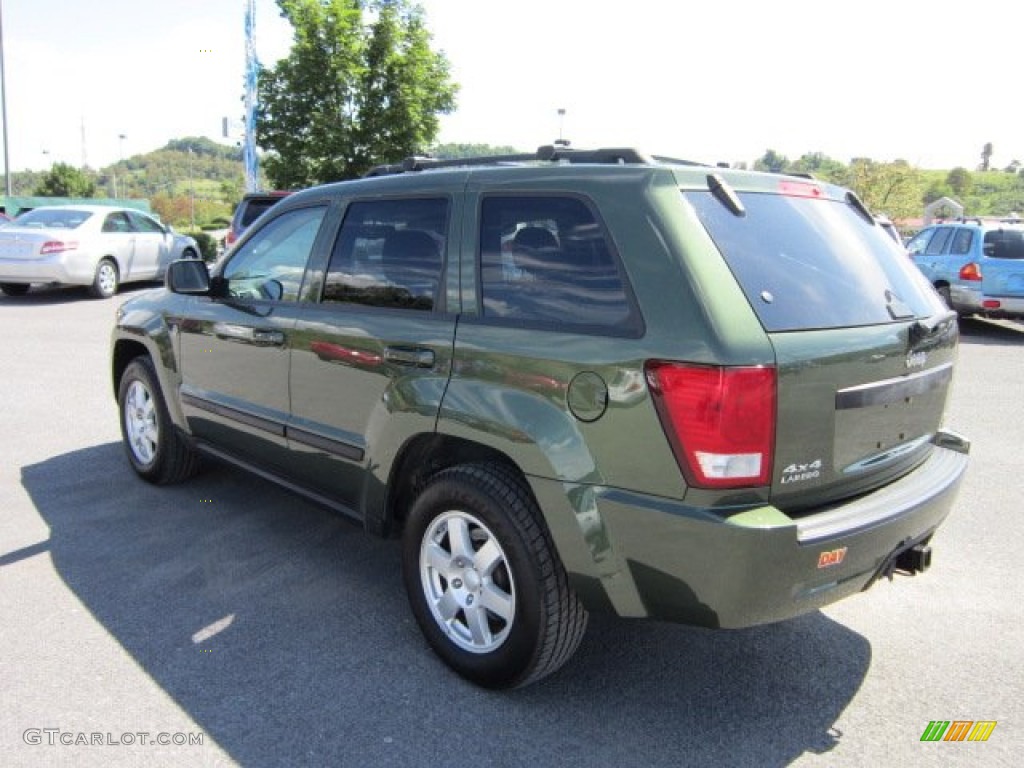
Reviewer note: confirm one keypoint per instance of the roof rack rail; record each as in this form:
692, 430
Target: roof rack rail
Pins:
546, 153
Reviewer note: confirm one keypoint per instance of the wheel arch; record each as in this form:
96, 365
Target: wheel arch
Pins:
421, 457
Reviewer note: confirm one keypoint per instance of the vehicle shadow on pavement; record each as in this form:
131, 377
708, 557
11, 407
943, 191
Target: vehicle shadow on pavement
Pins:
975, 330
283, 631
49, 295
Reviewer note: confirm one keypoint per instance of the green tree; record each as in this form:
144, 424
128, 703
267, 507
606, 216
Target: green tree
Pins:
772, 161
960, 181
64, 180
350, 94
893, 188
819, 165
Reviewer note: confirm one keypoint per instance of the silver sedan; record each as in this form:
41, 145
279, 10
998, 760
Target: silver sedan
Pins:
96, 245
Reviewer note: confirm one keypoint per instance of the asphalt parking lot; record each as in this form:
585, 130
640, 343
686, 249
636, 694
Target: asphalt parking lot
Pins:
231, 612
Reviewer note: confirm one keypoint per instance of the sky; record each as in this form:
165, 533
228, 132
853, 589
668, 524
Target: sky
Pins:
927, 81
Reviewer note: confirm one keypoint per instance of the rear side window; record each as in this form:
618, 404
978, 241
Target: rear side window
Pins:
546, 261
808, 263
1004, 244
389, 253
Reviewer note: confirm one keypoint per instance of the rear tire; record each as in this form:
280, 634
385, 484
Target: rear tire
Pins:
946, 296
14, 289
156, 451
106, 281
484, 579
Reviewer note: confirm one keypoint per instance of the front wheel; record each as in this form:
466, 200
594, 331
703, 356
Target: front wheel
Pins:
156, 451
484, 580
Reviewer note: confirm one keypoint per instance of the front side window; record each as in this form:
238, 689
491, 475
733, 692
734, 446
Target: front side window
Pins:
271, 264
389, 253
938, 243
546, 260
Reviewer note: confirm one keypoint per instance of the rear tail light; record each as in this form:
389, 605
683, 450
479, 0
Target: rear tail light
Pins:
231, 236
991, 304
719, 421
970, 271
57, 246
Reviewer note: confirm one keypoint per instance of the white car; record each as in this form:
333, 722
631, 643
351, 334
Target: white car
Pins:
96, 245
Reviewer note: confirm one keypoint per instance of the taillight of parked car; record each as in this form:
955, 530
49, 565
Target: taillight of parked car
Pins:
720, 421
231, 237
970, 271
57, 246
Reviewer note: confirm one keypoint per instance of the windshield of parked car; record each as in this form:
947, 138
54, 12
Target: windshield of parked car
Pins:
807, 263
53, 218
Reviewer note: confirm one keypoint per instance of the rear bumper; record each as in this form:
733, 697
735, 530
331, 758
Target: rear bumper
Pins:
58, 268
967, 300
650, 557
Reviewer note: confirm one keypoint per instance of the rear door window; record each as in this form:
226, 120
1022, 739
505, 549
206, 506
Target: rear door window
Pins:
808, 263
961, 244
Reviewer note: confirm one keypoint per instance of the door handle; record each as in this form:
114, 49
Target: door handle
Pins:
243, 333
418, 357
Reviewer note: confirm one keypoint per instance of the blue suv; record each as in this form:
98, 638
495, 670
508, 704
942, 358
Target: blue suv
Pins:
977, 267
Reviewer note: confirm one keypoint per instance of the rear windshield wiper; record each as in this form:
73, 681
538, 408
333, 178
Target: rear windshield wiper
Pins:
897, 307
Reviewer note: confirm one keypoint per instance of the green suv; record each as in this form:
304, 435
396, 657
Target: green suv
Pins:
581, 380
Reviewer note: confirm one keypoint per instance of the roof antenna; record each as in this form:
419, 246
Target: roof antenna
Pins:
560, 142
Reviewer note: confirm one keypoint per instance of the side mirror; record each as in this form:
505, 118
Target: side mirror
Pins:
188, 276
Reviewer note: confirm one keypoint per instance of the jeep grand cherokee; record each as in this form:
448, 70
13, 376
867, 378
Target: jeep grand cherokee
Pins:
570, 382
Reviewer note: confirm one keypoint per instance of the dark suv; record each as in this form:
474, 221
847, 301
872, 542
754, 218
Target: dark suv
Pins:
249, 208
576, 381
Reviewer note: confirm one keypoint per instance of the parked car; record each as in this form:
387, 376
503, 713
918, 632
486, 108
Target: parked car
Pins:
694, 394
95, 245
250, 207
977, 267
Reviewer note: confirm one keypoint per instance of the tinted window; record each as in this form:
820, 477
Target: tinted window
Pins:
1004, 244
389, 253
546, 260
255, 208
117, 222
961, 242
938, 242
144, 223
811, 263
271, 264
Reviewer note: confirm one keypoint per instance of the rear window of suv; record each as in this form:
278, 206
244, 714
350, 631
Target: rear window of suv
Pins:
808, 263
1004, 243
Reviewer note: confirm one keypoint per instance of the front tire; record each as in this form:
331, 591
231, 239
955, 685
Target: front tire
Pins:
156, 451
484, 579
106, 281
